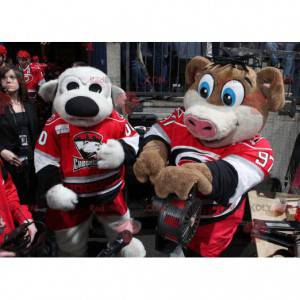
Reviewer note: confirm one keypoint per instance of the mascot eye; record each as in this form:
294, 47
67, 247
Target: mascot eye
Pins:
95, 88
72, 85
206, 85
233, 93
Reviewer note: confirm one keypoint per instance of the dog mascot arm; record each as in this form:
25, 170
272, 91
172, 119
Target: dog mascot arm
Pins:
218, 179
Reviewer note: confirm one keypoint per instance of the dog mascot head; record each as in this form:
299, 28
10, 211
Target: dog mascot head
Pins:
83, 96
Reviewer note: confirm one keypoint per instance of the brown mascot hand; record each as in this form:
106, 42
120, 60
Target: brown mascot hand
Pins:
151, 160
180, 180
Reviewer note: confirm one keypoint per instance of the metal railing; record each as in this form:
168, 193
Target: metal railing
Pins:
157, 69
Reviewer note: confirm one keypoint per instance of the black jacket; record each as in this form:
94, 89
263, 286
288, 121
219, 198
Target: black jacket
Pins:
8, 131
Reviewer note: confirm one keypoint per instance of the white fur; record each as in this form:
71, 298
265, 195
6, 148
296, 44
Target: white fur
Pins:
134, 249
62, 198
47, 90
233, 124
225, 120
111, 155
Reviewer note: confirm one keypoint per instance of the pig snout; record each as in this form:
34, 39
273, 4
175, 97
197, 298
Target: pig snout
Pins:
200, 127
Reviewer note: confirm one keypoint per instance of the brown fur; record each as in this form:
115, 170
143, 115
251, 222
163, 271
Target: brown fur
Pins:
152, 159
180, 180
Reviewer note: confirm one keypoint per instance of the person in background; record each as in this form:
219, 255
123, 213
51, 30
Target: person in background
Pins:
33, 74
11, 211
288, 64
36, 62
18, 132
3, 56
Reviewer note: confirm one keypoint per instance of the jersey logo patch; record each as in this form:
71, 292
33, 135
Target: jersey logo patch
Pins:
87, 144
62, 128
28, 78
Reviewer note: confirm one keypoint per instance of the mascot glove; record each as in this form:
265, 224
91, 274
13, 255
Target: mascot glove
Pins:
111, 155
134, 249
61, 198
180, 181
148, 165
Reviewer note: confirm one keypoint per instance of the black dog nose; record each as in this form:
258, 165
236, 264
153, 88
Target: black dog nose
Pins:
82, 107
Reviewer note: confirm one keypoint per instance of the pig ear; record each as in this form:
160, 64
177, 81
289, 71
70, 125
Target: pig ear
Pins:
195, 65
270, 83
48, 90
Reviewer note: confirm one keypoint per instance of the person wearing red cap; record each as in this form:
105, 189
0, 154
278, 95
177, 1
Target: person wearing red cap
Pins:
36, 61
33, 74
3, 54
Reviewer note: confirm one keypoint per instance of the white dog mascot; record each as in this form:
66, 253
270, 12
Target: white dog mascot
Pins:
80, 157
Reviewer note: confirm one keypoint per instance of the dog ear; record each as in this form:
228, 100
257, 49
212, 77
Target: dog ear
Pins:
119, 98
48, 90
270, 83
194, 66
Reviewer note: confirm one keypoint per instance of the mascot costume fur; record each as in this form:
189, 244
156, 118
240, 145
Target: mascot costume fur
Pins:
80, 157
214, 143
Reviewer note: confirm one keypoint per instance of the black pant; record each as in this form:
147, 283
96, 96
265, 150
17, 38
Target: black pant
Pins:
25, 181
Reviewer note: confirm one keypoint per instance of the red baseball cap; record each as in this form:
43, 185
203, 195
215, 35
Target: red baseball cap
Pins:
3, 50
23, 54
35, 58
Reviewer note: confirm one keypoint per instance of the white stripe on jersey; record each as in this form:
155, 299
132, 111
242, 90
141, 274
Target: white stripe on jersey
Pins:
88, 179
86, 195
249, 175
42, 159
206, 153
132, 141
156, 130
122, 120
198, 156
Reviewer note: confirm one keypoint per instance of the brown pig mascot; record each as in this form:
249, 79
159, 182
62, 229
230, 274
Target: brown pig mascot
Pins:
214, 143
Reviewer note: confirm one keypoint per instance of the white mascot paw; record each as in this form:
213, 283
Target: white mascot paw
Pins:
59, 197
134, 249
111, 155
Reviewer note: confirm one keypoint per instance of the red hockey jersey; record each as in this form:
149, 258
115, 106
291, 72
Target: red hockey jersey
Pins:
33, 77
252, 159
71, 149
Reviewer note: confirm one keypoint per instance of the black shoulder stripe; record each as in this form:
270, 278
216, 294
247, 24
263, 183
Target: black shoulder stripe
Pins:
130, 155
225, 181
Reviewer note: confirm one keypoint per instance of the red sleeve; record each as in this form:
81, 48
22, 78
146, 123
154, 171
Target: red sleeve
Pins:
38, 74
47, 141
165, 128
127, 135
19, 212
259, 152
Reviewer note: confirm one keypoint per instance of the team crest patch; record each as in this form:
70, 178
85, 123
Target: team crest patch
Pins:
28, 78
87, 144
